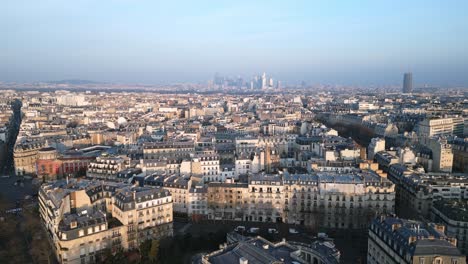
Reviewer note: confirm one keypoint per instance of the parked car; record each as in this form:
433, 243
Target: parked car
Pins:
293, 231
322, 235
272, 231
239, 229
254, 230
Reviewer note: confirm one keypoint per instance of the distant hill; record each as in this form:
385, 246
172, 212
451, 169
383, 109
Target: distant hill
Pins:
74, 82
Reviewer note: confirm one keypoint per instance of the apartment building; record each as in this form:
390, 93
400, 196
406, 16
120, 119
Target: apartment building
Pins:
197, 202
25, 157
376, 145
336, 200
173, 149
393, 240
106, 167
441, 126
416, 190
453, 213
206, 165
460, 154
243, 165
178, 186
266, 197
227, 201
385, 159
442, 154
246, 145
85, 217
345, 198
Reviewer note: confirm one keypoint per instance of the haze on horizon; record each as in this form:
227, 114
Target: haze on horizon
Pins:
331, 42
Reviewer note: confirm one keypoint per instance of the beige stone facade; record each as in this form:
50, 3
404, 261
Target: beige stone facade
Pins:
85, 218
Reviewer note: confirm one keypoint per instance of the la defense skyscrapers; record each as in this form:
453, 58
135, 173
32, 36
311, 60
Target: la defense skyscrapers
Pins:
408, 82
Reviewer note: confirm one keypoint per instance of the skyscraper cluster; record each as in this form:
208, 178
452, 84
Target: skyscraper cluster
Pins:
257, 82
236, 82
264, 82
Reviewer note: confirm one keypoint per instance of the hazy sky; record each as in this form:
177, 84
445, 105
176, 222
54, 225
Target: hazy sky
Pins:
330, 42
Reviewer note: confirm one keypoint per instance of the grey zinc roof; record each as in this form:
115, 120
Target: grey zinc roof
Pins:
435, 247
429, 240
261, 251
89, 219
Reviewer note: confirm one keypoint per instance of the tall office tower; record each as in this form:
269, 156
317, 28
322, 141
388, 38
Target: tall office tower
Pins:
217, 79
258, 82
408, 83
240, 82
264, 81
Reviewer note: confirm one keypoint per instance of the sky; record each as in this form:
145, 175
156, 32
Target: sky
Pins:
349, 42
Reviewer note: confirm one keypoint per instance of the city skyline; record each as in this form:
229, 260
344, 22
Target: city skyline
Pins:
162, 43
234, 132
105, 170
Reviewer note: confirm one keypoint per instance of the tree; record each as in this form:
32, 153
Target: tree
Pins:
154, 251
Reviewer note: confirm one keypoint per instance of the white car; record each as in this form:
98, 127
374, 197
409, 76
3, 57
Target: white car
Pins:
239, 229
293, 231
254, 230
